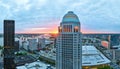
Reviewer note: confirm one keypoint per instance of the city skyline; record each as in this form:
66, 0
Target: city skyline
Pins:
43, 16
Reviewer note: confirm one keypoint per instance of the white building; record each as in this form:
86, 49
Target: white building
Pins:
33, 45
41, 42
48, 41
25, 45
69, 49
35, 65
93, 58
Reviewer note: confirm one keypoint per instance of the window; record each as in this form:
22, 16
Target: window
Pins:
60, 29
76, 29
67, 28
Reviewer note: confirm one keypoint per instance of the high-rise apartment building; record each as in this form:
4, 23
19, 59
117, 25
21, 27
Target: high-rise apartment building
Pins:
41, 43
9, 32
32, 44
69, 49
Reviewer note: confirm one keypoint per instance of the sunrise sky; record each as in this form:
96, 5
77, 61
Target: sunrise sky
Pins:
44, 16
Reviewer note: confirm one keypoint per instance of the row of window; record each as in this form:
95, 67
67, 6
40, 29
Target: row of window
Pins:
68, 28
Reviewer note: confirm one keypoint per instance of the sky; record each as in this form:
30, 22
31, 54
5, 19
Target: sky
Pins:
44, 16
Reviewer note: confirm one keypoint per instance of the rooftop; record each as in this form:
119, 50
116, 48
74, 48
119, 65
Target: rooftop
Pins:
91, 56
22, 59
34, 65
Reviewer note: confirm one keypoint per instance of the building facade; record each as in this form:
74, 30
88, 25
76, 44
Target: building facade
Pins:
32, 44
69, 44
9, 32
41, 43
25, 45
114, 40
16, 46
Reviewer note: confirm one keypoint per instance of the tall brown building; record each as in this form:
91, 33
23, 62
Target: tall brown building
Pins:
9, 32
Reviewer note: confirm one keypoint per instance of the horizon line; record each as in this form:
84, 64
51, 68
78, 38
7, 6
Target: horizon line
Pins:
57, 33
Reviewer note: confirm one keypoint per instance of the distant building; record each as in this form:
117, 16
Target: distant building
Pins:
41, 43
25, 45
9, 34
69, 43
33, 45
55, 41
23, 59
105, 44
114, 40
16, 46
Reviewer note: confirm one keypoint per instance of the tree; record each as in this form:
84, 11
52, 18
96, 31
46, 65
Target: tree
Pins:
1, 47
105, 67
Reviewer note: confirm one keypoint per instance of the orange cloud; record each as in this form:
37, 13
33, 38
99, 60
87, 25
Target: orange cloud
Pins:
52, 29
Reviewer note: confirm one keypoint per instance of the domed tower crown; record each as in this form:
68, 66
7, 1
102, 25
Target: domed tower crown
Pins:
70, 17
70, 23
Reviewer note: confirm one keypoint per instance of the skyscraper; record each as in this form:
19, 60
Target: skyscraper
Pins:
69, 49
41, 43
32, 44
114, 40
9, 32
